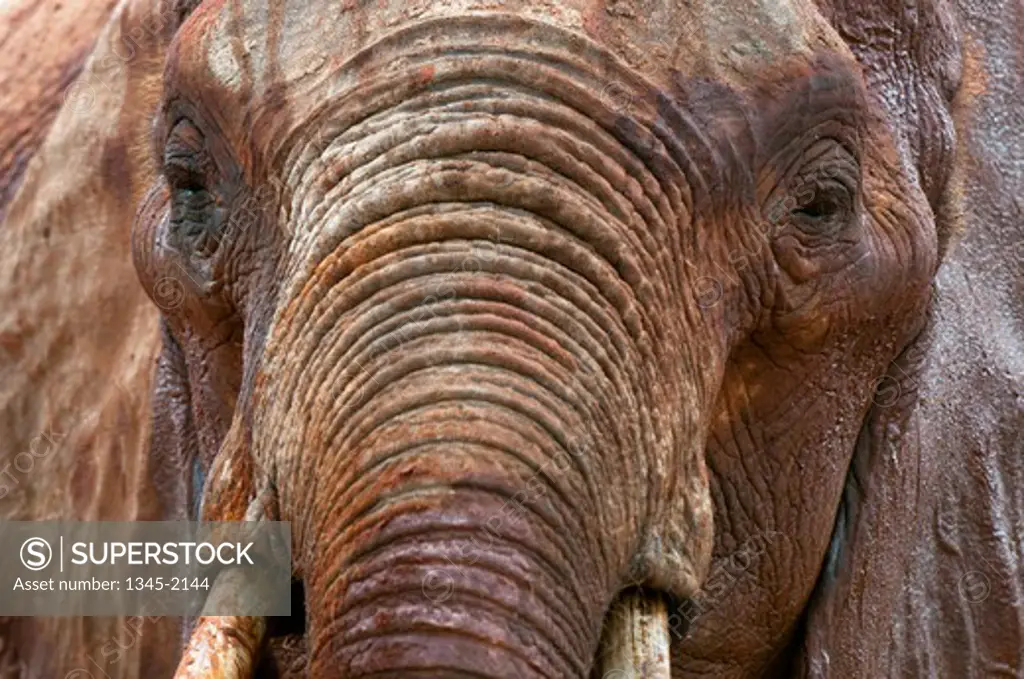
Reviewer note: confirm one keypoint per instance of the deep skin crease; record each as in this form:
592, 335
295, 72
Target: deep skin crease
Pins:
690, 262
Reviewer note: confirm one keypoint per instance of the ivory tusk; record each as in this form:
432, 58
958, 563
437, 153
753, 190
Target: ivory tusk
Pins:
227, 647
223, 648
636, 643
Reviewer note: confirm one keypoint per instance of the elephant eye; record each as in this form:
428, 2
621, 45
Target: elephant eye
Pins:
194, 220
826, 195
195, 213
825, 209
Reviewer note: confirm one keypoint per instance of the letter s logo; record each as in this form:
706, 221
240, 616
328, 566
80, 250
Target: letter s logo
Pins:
36, 554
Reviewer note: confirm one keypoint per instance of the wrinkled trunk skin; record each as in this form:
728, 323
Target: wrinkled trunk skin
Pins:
448, 513
442, 455
470, 379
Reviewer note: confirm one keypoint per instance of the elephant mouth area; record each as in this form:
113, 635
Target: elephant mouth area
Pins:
285, 652
635, 641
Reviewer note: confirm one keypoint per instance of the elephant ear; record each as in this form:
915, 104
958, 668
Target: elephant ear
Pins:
924, 576
33, 80
78, 336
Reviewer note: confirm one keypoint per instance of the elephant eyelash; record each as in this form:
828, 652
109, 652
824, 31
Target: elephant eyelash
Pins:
181, 176
824, 199
185, 160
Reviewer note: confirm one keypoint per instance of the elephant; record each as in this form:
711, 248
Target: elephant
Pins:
590, 338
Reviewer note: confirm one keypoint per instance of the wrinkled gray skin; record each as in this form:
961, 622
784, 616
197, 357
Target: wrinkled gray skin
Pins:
515, 310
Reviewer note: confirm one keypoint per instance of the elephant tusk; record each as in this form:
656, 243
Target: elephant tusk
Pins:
223, 648
636, 643
227, 647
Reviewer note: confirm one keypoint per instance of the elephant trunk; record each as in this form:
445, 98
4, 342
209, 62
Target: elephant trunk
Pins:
422, 585
451, 520
468, 440
471, 383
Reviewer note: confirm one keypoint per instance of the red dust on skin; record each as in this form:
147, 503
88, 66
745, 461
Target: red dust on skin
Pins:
594, 19
223, 648
426, 74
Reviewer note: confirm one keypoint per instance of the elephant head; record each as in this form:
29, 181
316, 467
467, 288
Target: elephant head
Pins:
498, 302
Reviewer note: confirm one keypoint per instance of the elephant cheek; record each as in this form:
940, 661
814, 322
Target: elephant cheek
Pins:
174, 452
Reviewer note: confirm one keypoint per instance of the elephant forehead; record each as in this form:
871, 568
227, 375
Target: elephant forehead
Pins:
248, 49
